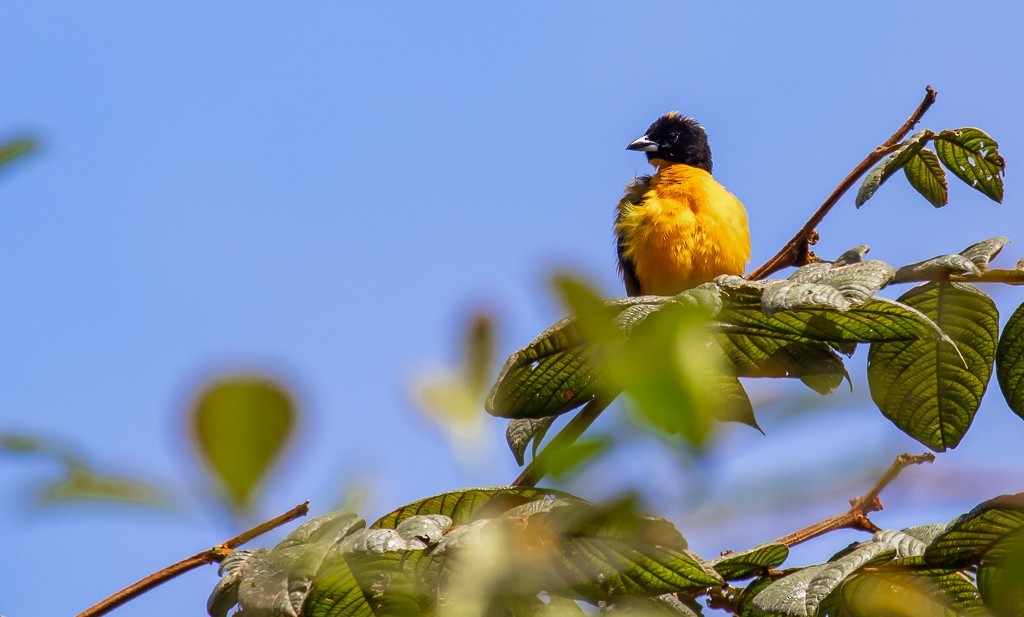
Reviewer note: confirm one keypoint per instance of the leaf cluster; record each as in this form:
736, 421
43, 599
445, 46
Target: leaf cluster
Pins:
524, 552
680, 359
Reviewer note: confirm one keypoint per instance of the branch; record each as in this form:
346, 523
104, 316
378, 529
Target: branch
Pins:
537, 469
857, 516
215, 554
1006, 277
797, 251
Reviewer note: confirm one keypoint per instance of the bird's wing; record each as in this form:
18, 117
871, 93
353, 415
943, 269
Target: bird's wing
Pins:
634, 194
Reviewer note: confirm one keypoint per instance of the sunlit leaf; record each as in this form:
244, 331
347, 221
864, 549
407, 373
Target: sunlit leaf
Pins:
908, 594
981, 253
935, 267
241, 425
857, 281
787, 595
465, 505
1001, 576
931, 389
751, 562
891, 164
973, 157
968, 538
834, 573
925, 174
1010, 362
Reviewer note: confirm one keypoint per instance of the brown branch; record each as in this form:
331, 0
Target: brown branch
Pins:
797, 251
857, 516
215, 554
1006, 277
537, 469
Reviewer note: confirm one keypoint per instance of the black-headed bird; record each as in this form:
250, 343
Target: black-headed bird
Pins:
678, 228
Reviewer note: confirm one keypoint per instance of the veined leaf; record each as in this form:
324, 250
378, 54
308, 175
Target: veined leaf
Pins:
970, 537
943, 264
857, 281
522, 431
1010, 362
838, 571
897, 591
751, 562
973, 157
932, 389
787, 595
1001, 576
925, 174
981, 253
893, 163
466, 505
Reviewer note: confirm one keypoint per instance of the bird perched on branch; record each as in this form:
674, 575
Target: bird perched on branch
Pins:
678, 228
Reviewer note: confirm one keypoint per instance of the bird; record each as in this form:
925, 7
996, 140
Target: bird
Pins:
679, 227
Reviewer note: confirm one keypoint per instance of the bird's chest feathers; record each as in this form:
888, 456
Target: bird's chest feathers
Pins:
681, 229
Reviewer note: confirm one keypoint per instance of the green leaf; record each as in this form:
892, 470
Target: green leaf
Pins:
11, 151
522, 431
936, 267
464, 506
241, 425
893, 163
981, 253
857, 281
970, 537
927, 177
932, 389
787, 595
561, 462
1010, 362
788, 296
973, 157
837, 572
1001, 576
751, 562
895, 591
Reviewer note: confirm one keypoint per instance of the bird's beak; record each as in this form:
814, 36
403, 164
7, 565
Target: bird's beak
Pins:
643, 144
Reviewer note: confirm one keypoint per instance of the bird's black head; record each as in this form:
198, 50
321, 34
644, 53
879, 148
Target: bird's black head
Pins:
678, 139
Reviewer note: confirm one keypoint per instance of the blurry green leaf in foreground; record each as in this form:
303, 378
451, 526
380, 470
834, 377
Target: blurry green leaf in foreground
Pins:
14, 149
241, 425
80, 481
1010, 361
456, 397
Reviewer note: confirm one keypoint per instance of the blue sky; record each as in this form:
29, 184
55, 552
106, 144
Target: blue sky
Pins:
324, 191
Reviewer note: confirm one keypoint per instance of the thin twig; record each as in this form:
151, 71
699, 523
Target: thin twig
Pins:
797, 252
1006, 277
857, 516
537, 469
215, 554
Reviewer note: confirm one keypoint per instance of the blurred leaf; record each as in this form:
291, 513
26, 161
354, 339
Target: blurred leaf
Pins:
973, 157
14, 149
981, 253
891, 164
967, 540
241, 425
522, 431
911, 594
1010, 362
455, 398
561, 462
751, 562
81, 481
925, 174
1001, 576
932, 389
